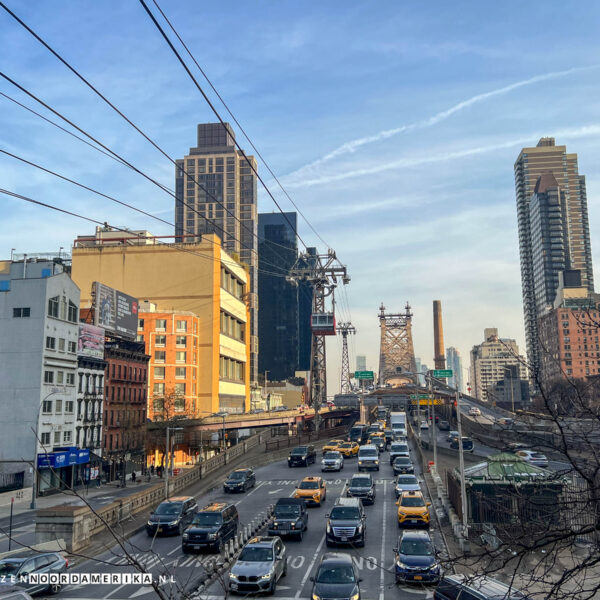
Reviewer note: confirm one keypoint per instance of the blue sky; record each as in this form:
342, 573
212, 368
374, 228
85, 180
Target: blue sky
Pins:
394, 126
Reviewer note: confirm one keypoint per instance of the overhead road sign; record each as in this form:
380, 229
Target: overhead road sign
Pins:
442, 373
363, 375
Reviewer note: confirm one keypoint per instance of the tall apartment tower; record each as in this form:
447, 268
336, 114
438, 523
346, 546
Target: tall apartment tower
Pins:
454, 362
216, 192
278, 316
563, 207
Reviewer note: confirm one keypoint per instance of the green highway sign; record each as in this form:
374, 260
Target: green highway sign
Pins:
421, 396
442, 373
363, 375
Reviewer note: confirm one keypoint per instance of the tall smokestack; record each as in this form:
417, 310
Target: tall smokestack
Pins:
438, 336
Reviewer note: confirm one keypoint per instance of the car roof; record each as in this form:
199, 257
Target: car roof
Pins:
415, 535
177, 499
361, 475
368, 447
415, 493
215, 507
492, 588
299, 501
242, 470
336, 558
262, 540
348, 502
311, 478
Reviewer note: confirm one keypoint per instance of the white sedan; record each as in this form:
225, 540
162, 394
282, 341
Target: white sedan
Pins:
535, 458
474, 412
424, 426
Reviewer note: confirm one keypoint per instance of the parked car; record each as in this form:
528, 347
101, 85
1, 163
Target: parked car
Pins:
402, 464
302, 456
467, 444
475, 587
398, 449
172, 516
406, 483
444, 426
260, 565
290, 517
346, 523
361, 486
336, 578
535, 458
21, 566
349, 449
332, 461
211, 527
413, 509
474, 412
312, 490
451, 435
415, 558
239, 480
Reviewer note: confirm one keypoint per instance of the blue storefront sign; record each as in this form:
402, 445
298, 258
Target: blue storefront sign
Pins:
64, 457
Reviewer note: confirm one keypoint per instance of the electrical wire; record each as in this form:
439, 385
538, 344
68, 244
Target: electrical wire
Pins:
212, 107
214, 89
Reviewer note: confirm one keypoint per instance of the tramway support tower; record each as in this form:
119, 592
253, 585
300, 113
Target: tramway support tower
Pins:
323, 273
344, 329
397, 354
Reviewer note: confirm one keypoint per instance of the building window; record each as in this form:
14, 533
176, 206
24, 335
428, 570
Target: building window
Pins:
45, 438
139, 337
69, 407
180, 357
47, 407
161, 324
180, 341
72, 347
158, 405
20, 313
61, 344
159, 389
179, 404
60, 377
66, 436
160, 340
72, 315
140, 323
180, 389
179, 372
58, 407
159, 372
48, 376
50, 343
181, 325
56, 437
160, 356
53, 307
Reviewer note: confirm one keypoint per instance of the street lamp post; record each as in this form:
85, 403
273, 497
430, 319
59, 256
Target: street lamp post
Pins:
433, 436
168, 461
461, 463
35, 447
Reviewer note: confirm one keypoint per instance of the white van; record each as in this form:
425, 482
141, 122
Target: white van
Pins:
368, 458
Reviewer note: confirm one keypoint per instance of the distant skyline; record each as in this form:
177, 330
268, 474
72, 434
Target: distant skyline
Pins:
395, 134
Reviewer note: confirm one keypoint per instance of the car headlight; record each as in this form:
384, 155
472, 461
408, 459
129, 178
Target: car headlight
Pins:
359, 528
400, 564
172, 523
151, 523
355, 596
267, 575
233, 576
360, 462
315, 597
435, 567
212, 536
401, 513
275, 524
328, 528
185, 536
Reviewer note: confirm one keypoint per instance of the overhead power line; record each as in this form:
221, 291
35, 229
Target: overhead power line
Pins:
214, 89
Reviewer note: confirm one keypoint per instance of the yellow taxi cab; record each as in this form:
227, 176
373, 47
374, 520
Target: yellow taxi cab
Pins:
348, 449
332, 446
413, 509
312, 490
381, 424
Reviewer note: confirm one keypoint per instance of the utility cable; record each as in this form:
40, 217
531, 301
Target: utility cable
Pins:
214, 89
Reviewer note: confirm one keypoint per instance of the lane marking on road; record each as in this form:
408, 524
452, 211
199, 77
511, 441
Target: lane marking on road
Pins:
250, 493
382, 562
310, 567
276, 491
117, 589
173, 551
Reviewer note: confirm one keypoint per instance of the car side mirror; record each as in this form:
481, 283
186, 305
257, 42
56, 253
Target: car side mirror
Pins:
327, 516
397, 503
395, 550
312, 579
360, 579
429, 504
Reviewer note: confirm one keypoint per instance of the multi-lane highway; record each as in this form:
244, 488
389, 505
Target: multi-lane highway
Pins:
375, 562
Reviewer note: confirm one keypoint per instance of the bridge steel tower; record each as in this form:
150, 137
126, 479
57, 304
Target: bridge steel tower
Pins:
321, 271
344, 329
397, 354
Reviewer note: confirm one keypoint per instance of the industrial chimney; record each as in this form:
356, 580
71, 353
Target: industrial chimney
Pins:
438, 336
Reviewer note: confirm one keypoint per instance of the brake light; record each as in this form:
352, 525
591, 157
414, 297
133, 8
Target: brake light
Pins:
66, 562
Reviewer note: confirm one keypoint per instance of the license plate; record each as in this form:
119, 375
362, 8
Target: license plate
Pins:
196, 547
418, 577
344, 539
160, 530
414, 521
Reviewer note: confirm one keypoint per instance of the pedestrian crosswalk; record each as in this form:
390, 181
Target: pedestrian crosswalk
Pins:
149, 560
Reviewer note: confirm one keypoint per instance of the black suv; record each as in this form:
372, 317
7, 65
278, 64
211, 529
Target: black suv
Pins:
212, 526
239, 481
361, 486
302, 456
475, 588
290, 518
336, 578
172, 516
346, 523
403, 465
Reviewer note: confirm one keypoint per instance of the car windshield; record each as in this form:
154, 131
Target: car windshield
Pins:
416, 548
287, 510
360, 482
207, 519
453, 434
170, 508
368, 452
256, 554
337, 574
309, 485
346, 445
400, 448
402, 460
537, 455
407, 480
331, 455
412, 501
299, 451
7, 568
237, 475
344, 512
